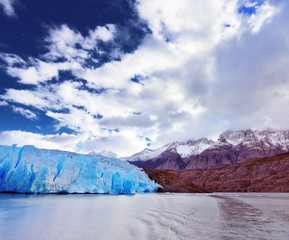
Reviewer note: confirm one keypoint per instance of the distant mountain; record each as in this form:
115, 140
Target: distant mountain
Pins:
232, 147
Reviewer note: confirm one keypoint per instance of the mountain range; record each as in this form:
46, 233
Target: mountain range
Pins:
232, 147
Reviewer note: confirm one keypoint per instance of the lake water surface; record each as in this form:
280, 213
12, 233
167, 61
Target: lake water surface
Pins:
145, 216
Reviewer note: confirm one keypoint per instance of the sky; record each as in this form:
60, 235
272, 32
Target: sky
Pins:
123, 75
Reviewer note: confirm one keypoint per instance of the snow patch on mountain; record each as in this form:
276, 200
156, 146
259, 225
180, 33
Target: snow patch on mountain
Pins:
145, 154
188, 150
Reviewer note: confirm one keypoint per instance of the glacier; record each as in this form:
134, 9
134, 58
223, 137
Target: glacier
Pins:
28, 169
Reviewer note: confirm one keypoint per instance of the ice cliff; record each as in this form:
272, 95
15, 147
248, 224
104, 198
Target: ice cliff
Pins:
32, 170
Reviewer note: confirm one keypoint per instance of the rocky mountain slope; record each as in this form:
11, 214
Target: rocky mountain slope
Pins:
256, 175
232, 147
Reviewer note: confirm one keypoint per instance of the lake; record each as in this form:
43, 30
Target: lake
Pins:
145, 216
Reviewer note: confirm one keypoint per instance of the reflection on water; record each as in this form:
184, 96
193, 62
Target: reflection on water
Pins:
145, 216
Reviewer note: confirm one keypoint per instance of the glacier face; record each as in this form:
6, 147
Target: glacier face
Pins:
32, 170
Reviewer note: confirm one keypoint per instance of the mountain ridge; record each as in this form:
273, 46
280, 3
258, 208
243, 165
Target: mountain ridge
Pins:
231, 147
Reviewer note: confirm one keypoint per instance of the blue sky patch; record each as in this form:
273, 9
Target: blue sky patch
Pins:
98, 116
138, 79
137, 113
148, 142
147, 139
250, 7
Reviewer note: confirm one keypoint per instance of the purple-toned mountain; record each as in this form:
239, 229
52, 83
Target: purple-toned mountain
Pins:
232, 147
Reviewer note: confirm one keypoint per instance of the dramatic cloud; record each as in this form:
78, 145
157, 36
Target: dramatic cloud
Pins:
204, 67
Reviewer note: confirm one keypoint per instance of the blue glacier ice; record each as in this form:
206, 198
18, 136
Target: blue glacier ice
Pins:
32, 170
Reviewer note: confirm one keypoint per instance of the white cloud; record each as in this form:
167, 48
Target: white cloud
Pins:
3, 103
81, 143
8, 7
25, 112
11, 59
29, 75
59, 141
41, 71
27, 97
34, 70
103, 33
62, 41
188, 24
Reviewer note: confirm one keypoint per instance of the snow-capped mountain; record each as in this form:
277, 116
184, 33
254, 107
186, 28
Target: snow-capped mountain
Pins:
185, 149
231, 147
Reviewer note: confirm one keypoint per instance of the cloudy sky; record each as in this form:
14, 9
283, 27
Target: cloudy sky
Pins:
122, 75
